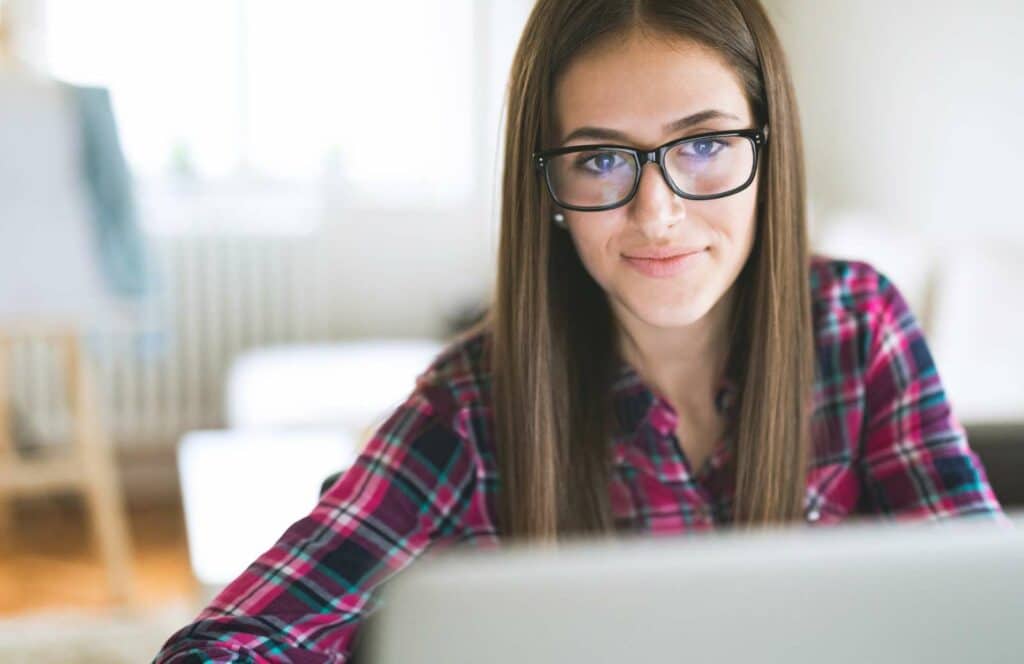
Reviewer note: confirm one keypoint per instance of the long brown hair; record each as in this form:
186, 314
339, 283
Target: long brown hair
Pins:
553, 351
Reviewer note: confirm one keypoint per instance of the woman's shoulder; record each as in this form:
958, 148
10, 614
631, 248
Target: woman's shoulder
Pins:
460, 374
855, 305
842, 286
849, 294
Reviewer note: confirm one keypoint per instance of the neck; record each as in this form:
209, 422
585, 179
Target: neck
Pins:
684, 364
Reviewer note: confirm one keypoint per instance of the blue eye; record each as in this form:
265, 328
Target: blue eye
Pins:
704, 148
599, 163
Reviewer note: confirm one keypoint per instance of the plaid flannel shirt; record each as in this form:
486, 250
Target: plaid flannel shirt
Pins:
885, 444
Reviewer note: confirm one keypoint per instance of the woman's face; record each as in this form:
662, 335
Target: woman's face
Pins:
635, 92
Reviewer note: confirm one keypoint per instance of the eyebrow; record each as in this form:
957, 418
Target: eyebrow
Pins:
604, 134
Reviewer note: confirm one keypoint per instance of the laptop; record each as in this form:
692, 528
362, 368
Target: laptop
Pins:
868, 592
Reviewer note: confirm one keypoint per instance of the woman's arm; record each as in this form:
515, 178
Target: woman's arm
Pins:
304, 599
916, 460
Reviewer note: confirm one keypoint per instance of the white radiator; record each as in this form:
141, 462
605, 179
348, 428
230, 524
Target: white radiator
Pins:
222, 295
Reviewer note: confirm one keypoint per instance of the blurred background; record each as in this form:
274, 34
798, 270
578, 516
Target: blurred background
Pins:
233, 231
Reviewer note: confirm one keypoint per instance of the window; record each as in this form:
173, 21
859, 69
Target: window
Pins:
388, 103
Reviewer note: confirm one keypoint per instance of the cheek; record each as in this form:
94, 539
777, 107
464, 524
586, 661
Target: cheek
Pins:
593, 236
736, 217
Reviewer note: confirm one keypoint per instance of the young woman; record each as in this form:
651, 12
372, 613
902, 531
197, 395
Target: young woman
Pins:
662, 354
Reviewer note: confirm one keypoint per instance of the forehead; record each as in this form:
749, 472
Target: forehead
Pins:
637, 84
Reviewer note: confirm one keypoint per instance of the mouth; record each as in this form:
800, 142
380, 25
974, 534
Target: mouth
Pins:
665, 267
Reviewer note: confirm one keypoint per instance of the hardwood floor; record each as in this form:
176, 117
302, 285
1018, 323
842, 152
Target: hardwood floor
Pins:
48, 560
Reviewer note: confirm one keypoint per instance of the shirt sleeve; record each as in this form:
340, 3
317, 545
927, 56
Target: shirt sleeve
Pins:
916, 459
304, 599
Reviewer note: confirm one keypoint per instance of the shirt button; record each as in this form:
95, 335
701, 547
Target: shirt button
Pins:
813, 515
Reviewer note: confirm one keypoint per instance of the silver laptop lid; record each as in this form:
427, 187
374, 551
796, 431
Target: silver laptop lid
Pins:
950, 592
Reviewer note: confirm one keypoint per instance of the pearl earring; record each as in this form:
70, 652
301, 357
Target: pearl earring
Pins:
559, 220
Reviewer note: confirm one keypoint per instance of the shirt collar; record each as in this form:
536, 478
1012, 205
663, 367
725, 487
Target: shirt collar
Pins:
636, 403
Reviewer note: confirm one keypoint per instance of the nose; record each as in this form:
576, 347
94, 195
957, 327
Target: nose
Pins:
656, 208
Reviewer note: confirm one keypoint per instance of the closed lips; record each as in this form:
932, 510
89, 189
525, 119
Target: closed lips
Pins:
667, 264
663, 254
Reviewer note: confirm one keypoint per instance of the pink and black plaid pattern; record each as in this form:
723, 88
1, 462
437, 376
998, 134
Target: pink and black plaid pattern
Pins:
886, 444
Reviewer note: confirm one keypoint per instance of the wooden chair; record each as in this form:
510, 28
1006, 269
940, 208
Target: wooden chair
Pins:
86, 465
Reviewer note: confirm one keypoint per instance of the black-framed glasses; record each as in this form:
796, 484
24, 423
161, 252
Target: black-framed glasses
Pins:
589, 178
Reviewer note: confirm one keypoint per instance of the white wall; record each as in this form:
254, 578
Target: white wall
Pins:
912, 113
912, 109
402, 272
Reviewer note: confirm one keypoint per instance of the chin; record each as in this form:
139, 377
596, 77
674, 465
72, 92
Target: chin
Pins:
669, 316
